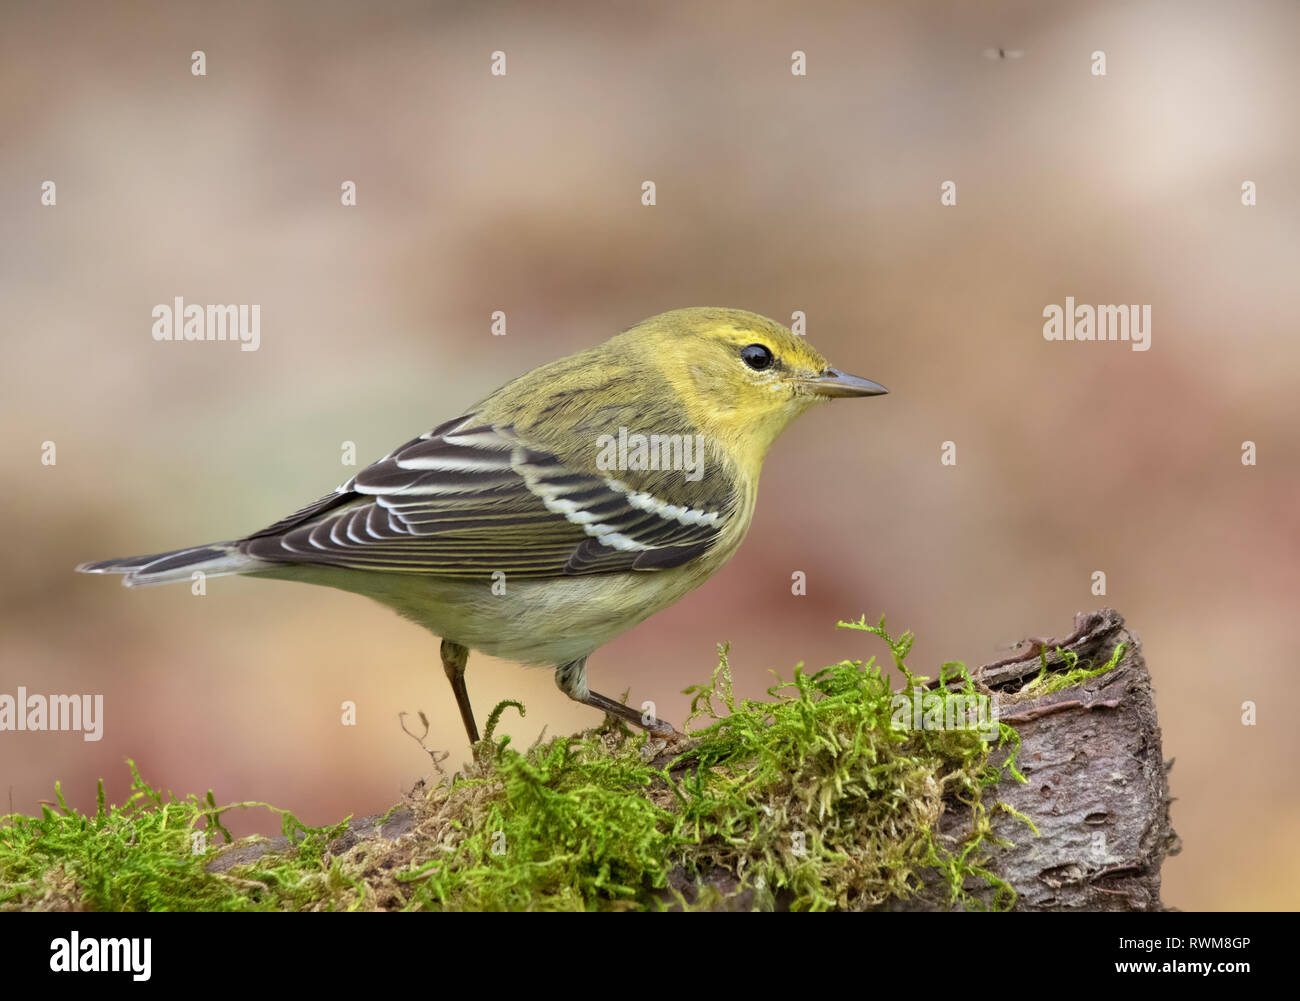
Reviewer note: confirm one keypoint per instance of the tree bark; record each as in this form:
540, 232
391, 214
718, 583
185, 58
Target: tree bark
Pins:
1098, 788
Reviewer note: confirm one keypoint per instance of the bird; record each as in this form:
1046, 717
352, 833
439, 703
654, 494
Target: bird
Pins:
566, 507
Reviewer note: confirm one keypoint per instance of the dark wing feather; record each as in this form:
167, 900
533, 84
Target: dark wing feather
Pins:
467, 499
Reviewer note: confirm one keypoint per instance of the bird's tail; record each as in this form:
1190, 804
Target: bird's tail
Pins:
218, 559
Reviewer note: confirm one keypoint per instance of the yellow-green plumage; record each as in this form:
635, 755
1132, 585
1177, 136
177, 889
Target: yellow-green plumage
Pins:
505, 530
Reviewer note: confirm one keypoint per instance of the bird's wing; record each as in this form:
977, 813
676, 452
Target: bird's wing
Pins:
468, 499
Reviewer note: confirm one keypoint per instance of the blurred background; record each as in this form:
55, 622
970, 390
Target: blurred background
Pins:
775, 193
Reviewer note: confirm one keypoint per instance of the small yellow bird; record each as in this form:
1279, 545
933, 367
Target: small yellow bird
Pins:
568, 506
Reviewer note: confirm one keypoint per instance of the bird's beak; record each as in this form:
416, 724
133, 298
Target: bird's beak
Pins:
833, 382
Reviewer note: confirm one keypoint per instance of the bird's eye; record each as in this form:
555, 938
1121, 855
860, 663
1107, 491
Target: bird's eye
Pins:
756, 356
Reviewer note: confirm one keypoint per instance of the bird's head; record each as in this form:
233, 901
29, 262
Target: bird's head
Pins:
742, 377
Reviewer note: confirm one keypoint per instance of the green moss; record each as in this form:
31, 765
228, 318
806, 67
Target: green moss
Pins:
813, 798
1068, 676
148, 854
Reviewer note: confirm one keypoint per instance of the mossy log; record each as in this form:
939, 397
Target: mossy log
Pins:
1098, 789
1096, 793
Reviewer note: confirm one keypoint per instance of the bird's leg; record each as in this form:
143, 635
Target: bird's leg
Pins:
454, 657
572, 681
